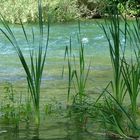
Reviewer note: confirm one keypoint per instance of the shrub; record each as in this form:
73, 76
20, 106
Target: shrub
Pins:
61, 10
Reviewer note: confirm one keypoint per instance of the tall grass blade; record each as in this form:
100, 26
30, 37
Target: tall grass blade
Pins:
37, 59
113, 34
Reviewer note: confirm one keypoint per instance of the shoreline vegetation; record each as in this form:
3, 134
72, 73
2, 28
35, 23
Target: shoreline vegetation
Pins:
108, 112
65, 10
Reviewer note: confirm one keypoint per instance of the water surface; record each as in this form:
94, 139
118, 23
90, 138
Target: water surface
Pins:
53, 85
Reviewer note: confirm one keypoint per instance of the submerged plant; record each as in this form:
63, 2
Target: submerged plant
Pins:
33, 70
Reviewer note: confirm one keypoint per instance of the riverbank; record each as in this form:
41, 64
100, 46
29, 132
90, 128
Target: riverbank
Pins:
63, 10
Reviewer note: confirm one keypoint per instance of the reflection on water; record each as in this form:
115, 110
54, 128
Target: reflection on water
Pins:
62, 133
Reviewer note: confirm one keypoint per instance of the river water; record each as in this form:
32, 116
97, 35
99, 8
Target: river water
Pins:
96, 49
95, 44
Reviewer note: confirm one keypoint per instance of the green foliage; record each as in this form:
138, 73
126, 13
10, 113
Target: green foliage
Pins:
115, 117
19, 9
63, 10
109, 109
116, 52
131, 70
78, 73
130, 7
13, 109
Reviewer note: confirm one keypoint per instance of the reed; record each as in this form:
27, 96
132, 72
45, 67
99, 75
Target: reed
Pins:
131, 70
113, 33
78, 73
126, 75
33, 70
113, 116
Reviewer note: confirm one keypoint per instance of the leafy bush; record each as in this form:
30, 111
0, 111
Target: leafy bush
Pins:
15, 9
63, 10
60, 10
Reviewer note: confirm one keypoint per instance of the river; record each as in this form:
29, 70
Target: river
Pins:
54, 86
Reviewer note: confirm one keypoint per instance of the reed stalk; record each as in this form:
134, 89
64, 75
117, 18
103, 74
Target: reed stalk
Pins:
34, 70
77, 75
126, 73
131, 69
113, 33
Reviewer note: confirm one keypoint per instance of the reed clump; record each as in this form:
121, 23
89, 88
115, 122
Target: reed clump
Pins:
78, 72
34, 69
115, 114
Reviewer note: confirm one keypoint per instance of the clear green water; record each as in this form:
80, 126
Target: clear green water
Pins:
59, 38
56, 128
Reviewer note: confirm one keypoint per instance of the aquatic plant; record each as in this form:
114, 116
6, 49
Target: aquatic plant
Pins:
131, 70
33, 70
13, 110
125, 76
131, 75
113, 34
113, 116
9, 107
78, 73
